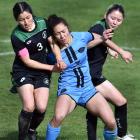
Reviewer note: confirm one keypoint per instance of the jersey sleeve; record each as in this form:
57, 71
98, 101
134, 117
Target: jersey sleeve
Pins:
87, 36
17, 44
98, 29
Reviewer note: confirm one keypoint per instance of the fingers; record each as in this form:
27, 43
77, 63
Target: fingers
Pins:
128, 59
108, 34
61, 65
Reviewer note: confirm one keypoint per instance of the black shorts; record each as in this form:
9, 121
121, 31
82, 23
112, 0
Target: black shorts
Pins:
96, 74
98, 80
36, 80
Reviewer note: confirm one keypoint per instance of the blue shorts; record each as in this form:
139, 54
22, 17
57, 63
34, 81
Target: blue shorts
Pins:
80, 95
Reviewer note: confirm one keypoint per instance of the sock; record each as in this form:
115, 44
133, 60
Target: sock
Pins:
23, 124
37, 118
91, 126
52, 132
121, 119
110, 135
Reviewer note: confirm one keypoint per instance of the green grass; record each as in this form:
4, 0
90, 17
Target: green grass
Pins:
81, 15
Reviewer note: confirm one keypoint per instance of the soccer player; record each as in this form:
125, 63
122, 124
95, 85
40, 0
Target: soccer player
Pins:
97, 56
74, 85
31, 72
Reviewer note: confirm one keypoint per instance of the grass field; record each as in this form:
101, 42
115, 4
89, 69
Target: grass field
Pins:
81, 15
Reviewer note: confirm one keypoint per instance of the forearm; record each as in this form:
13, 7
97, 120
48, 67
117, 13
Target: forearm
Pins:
97, 40
113, 46
37, 65
57, 52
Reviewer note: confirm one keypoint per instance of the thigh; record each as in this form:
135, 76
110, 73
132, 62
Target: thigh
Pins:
97, 105
41, 96
27, 96
64, 105
111, 93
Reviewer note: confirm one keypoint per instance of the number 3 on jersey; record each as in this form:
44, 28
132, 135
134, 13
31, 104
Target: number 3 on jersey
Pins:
39, 46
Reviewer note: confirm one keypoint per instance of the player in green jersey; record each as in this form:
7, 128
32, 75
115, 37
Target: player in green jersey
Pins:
31, 70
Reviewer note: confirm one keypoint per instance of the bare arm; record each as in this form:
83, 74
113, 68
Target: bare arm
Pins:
36, 65
25, 58
56, 50
100, 39
113, 53
126, 55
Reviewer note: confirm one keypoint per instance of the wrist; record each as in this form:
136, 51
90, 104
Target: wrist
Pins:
103, 39
121, 51
50, 67
59, 60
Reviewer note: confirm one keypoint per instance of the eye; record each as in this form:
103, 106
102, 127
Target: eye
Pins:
28, 17
113, 18
119, 20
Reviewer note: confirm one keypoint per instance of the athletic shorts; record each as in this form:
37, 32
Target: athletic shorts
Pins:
98, 80
37, 81
96, 74
80, 95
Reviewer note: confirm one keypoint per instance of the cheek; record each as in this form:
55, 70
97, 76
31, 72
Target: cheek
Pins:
119, 23
57, 37
21, 24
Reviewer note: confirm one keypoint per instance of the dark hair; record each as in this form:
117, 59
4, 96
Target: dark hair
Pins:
20, 7
116, 7
53, 20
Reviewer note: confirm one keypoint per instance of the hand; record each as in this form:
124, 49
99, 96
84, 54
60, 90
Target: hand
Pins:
126, 56
107, 34
113, 53
61, 64
55, 68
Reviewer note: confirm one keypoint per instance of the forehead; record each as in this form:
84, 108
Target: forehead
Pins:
60, 27
24, 14
116, 13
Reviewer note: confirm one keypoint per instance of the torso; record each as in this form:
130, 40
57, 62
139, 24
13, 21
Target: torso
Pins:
36, 43
98, 54
75, 56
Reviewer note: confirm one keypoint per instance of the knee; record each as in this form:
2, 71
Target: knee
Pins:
58, 118
122, 101
41, 109
29, 108
111, 124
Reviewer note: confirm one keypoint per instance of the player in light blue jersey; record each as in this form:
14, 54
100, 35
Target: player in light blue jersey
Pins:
75, 86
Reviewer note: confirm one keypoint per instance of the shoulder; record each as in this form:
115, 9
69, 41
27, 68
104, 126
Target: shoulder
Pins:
16, 32
41, 22
98, 28
39, 19
83, 36
80, 34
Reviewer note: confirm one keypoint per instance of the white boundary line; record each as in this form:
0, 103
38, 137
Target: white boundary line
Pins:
6, 53
126, 48
4, 40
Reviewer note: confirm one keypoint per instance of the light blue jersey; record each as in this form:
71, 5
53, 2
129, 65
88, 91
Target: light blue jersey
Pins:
75, 80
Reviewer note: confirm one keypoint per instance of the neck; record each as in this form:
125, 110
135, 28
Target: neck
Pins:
68, 42
32, 27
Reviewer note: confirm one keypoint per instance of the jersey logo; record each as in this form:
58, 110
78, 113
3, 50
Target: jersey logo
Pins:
46, 81
22, 79
29, 42
81, 50
44, 34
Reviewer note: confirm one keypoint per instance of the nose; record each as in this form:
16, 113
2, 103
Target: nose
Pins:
25, 22
61, 35
115, 22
